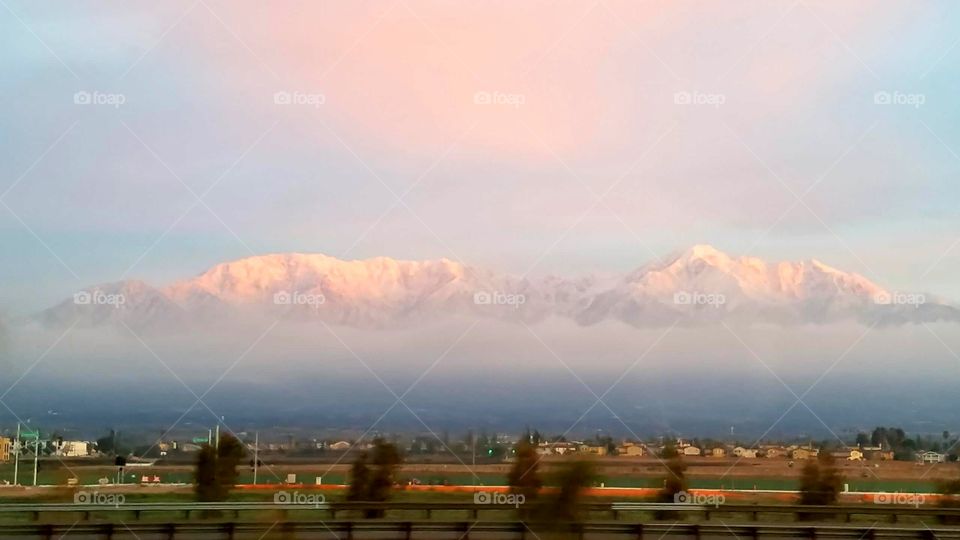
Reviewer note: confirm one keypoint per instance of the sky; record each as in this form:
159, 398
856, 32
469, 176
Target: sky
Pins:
533, 137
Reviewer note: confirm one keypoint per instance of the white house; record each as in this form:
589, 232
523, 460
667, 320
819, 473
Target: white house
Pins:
931, 457
72, 448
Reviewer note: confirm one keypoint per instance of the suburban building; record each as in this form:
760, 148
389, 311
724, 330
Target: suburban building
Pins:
742, 452
774, 452
718, 452
853, 454
804, 453
562, 448
630, 449
595, 449
71, 448
691, 451
340, 445
877, 453
6, 446
931, 457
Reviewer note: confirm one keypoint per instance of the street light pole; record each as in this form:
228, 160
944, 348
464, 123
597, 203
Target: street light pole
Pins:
36, 455
16, 459
256, 456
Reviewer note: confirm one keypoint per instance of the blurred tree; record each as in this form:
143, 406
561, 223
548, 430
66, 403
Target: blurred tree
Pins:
572, 479
374, 484
216, 469
524, 477
820, 481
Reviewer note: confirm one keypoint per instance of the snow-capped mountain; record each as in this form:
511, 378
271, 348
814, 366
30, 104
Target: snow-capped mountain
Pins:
701, 285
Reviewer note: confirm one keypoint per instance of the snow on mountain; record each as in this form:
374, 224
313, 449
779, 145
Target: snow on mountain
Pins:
701, 285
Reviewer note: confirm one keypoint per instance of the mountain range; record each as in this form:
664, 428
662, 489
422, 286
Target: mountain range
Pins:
701, 285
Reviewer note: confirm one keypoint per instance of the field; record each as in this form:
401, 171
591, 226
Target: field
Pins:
613, 472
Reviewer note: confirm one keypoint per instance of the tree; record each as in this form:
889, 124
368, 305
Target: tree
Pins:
359, 479
524, 478
573, 478
669, 450
676, 480
674, 483
386, 459
820, 481
205, 482
374, 484
216, 469
110, 444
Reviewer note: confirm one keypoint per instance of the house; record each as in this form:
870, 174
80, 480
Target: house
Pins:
6, 445
880, 455
718, 452
691, 451
775, 452
931, 457
877, 453
804, 453
595, 449
630, 449
742, 452
340, 445
72, 448
853, 454
563, 448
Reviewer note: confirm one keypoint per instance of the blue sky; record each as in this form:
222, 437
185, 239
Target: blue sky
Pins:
96, 193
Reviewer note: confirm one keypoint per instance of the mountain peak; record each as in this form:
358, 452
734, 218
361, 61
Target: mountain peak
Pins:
703, 250
383, 292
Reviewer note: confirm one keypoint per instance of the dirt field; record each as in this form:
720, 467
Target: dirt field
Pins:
613, 472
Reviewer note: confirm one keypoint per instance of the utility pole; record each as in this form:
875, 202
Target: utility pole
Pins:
16, 459
36, 455
218, 437
256, 456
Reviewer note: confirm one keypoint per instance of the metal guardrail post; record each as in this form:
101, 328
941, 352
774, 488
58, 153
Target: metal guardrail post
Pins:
408, 529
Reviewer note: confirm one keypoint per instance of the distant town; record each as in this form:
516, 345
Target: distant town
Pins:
882, 444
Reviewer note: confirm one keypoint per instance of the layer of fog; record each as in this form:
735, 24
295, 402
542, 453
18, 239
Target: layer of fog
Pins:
462, 373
